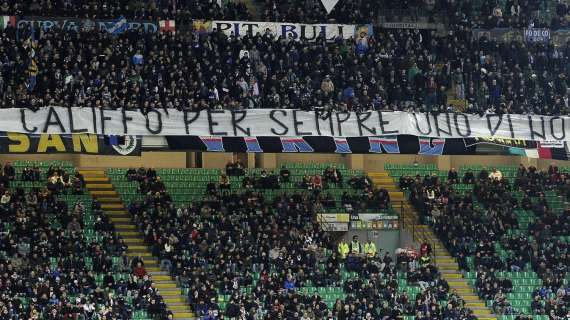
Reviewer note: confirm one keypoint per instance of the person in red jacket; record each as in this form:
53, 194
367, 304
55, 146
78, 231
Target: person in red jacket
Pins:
139, 270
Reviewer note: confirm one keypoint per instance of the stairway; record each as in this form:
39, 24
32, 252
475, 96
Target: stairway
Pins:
100, 187
445, 263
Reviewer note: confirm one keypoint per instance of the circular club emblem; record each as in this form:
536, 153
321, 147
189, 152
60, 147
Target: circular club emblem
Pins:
129, 146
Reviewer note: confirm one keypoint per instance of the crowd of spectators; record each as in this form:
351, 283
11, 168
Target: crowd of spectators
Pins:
477, 223
317, 187
260, 255
394, 69
484, 14
135, 10
60, 260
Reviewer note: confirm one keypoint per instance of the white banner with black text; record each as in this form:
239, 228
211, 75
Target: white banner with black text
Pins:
282, 123
294, 31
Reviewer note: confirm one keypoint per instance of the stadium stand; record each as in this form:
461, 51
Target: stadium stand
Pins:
139, 10
394, 69
60, 255
246, 243
506, 229
314, 280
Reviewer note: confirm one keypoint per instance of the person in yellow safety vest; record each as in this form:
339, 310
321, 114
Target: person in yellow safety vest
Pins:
342, 249
355, 247
425, 261
370, 249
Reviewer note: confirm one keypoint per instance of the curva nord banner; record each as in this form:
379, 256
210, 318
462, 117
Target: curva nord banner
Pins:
282, 123
112, 26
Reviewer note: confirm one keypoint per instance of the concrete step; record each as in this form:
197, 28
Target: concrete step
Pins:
475, 304
129, 234
103, 193
162, 285
149, 261
378, 174
99, 186
91, 172
126, 227
161, 278
152, 269
109, 200
117, 213
183, 315
180, 308
125, 219
112, 206
134, 241
96, 179
139, 254
444, 271
171, 294
175, 303
175, 299
481, 312
141, 249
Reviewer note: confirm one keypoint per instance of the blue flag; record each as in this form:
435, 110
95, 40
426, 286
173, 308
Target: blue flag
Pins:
118, 26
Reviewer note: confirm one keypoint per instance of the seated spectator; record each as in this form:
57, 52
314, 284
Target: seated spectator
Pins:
9, 171
273, 181
333, 175
496, 175
224, 183
362, 183
74, 226
452, 176
468, 177
156, 184
27, 174
483, 174
285, 174
248, 183
131, 174
306, 182
139, 271
317, 182
235, 168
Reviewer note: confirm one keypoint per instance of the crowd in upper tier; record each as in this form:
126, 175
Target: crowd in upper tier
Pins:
393, 69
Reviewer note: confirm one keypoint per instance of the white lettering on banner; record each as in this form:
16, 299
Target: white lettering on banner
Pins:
283, 123
294, 30
77, 24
